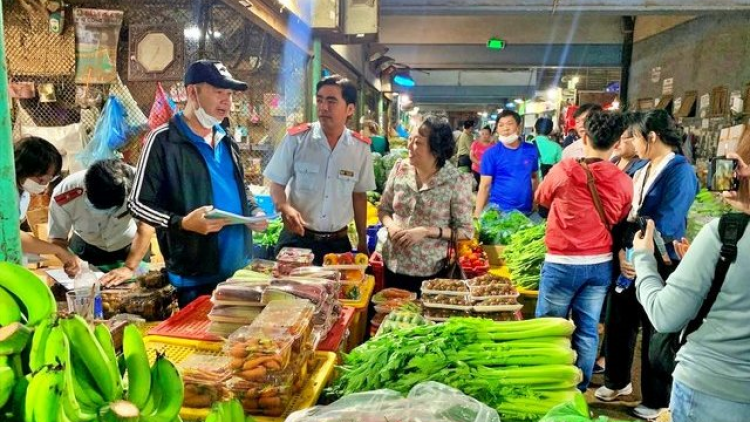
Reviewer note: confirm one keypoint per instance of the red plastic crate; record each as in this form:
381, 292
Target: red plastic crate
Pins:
191, 322
333, 340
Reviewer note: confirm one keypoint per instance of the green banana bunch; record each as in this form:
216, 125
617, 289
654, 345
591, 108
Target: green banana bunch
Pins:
31, 292
13, 338
39, 343
136, 362
167, 392
104, 337
103, 370
72, 409
43, 398
227, 411
7, 380
120, 411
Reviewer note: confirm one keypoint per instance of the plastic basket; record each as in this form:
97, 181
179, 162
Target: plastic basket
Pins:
333, 340
364, 297
190, 323
378, 272
178, 350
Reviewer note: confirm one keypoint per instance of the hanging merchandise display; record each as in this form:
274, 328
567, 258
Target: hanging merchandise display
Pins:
110, 134
97, 34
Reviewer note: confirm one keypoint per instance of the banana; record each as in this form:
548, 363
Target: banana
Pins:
17, 403
9, 309
120, 411
34, 294
155, 394
136, 360
71, 407
39, 343
236, 410
104, 337
7, 382
83, 341
48, 397
14, 338
169, 382
86, 391
57, 349
224, 415
31, 395
213, 415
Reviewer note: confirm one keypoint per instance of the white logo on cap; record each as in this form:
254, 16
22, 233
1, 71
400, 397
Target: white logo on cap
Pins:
223, 70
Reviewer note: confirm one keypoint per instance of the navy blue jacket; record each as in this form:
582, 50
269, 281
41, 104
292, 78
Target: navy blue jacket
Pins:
668, 200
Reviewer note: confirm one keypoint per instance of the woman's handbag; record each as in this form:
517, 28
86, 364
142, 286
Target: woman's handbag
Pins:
451, 269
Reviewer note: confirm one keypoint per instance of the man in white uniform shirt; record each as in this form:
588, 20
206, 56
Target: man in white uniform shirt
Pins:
320, 176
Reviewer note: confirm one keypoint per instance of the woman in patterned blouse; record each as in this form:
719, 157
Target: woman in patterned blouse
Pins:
424, 199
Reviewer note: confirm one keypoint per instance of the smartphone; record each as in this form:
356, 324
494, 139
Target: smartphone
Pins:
661, 247
722, 174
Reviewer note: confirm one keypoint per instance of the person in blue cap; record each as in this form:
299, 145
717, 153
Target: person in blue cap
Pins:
188, 167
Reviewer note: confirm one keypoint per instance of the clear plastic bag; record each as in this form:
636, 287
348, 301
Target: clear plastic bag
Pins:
257, 352
430, 401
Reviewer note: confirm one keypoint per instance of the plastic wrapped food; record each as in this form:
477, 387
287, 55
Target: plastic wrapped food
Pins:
392, 293
152, 280
445, 300
290, 289
234, 314
224, 329
204, 377
440, 314
493, 290
292, 316
487, 279
270, 397
401, 320
249, 277
238, 294
316, 272
256, 352
150, 304
426, 402
443, 285
349, 273
497, 316
262, 266
291, 258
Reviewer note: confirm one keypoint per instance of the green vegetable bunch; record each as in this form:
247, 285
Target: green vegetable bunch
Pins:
520, 368
707, 206
270, 237
524, 256
496, 227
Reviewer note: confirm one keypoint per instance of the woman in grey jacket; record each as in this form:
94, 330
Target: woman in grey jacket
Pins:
712, 377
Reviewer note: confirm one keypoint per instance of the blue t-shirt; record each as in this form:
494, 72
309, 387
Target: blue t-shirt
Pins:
511, 171
233, 254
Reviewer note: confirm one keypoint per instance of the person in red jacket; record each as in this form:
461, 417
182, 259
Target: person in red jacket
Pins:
585, 198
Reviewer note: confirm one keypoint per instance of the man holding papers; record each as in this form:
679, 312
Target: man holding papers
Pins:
189, 167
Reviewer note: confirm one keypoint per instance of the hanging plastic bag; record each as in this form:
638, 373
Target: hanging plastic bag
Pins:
110, 134
162, 110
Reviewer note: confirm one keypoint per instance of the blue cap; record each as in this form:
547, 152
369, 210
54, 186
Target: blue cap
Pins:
213, 73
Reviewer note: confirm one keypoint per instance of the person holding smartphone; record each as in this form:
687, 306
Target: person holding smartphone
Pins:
664, 190
711, 380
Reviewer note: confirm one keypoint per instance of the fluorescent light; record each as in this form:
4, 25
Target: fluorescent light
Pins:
360, 35
192, 33
404, 80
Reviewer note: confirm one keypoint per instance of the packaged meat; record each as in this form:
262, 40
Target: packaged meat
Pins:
391, 293
235, 314
257, 352
291, 258
262, 266
316, 272
349, 273
224, 329
238, 294
205, 378
283, 289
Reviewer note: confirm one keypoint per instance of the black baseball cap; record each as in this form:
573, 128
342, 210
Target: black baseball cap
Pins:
213, 73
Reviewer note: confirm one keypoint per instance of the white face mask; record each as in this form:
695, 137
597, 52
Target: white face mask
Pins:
507, 140
33, 187
206, 120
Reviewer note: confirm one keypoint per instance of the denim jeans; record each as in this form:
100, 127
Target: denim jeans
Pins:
579, 291
688, 405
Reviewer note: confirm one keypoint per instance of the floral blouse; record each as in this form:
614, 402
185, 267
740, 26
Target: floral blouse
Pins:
445, 201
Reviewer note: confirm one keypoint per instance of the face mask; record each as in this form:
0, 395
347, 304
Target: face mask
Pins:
206, 120
99, 211
507, 140
33, 187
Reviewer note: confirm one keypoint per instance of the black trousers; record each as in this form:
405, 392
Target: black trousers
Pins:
94, 255
406, 282
624, 316
319, 247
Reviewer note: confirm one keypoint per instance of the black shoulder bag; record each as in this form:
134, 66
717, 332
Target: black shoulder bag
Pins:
451, 269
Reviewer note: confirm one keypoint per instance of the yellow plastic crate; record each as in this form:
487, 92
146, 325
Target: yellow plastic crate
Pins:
364, 299
501, 271
179, 349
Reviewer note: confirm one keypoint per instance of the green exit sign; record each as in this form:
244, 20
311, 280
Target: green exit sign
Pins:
495, 44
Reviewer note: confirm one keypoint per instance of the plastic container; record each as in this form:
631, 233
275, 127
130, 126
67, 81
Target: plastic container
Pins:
204, 377
442, 314
445, 286
378, 271
291, 258
488, 279
493, 291
285, 289
234, 314
271, 398
262, 266
152, 304
292, 316
238, 294
223, 329
446, 301
391, 293
257, 352
498, 308
332, 341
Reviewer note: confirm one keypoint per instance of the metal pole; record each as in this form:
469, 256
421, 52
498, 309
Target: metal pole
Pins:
316, 71
10, 240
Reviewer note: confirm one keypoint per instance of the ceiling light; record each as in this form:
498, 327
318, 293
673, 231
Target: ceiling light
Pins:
404, 80
192, 33
615, 105
552, 94
360, 35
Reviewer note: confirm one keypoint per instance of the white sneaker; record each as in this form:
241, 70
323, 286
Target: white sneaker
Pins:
648, 413
606, 394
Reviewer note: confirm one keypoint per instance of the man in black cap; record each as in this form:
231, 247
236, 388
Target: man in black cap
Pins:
189, 167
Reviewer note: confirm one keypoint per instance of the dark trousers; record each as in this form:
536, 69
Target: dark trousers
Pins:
319, 247
463, 161
185, 295
95, 256
406, 282
625, 315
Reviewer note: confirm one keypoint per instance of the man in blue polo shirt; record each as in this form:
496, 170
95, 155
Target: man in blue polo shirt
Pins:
508, 173
187, 168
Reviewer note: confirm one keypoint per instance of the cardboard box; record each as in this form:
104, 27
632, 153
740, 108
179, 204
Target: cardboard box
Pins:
494, 254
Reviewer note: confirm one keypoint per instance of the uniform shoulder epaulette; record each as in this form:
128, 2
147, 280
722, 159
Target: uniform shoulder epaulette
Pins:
362, 138
299, 129
68, 196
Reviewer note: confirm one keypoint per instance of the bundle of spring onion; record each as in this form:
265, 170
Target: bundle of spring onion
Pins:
520, 368
524, 256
